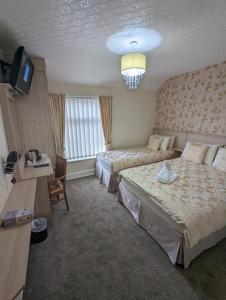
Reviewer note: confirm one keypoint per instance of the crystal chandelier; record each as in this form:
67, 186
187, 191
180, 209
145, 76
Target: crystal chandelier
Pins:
132, 44
133, 67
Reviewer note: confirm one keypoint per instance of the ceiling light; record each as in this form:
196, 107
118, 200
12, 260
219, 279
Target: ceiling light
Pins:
133, 67
133, 43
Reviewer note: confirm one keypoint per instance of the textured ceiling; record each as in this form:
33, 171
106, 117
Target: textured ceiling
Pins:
72, 36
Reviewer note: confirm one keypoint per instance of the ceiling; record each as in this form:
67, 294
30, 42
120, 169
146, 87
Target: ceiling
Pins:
72, 36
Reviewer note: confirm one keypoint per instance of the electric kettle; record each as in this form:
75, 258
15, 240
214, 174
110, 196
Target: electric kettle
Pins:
33, 155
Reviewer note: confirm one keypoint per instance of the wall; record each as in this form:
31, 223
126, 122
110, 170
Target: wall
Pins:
27, 123
5, 184
132, 115
194, 102
32, 114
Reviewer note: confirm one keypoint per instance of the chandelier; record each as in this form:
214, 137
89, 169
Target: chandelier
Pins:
132, 44
133, 67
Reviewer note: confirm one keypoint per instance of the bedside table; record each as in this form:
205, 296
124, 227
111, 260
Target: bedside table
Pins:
177, 152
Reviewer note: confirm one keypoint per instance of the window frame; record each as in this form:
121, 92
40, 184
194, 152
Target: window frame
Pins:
88, 157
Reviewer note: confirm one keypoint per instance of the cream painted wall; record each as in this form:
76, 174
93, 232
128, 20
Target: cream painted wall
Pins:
81, 165
133, 114
5, 179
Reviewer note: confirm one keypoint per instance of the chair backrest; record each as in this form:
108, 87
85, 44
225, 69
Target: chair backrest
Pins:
61, 166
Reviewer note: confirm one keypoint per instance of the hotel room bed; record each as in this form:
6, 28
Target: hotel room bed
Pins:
108, 164
185, 217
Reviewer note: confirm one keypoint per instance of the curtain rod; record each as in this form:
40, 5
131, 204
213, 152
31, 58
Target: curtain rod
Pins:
86, 97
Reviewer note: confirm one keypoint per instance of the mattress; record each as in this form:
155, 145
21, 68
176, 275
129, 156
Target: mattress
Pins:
135, 190
117, 160
194, 205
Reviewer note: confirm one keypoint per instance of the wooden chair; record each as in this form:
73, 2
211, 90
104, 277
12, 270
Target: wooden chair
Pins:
57, 186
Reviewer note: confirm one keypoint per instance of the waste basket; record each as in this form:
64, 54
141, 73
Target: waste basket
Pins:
39, 230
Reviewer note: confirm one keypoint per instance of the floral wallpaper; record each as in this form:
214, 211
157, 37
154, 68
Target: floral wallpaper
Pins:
194, 102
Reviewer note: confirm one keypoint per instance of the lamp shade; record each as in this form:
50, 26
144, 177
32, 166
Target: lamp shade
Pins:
133, 64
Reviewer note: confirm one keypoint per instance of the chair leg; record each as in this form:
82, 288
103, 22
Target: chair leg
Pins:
65, 197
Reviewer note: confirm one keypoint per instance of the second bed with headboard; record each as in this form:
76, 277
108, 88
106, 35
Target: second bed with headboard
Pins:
110, 163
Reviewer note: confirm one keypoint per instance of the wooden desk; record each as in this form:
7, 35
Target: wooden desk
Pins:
14, 242
30, 191
29, 173
42, 203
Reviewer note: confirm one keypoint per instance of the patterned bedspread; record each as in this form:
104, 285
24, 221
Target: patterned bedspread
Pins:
196, 200
131, 157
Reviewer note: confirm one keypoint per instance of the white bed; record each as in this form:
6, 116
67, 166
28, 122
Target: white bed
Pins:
110, 163
186, 217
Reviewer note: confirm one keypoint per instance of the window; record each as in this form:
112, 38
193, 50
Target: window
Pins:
83, 128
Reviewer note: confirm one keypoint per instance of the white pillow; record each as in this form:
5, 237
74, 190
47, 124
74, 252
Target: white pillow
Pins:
194, 152
165, 143
210, 154
220, 160
171, 142
155, 142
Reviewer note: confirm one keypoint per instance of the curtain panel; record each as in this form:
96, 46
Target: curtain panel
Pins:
106, 118
57, 106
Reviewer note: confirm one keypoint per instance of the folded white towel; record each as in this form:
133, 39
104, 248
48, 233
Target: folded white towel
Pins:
164, 175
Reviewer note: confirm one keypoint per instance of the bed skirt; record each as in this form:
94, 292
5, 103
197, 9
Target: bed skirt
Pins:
169, 239
110, 180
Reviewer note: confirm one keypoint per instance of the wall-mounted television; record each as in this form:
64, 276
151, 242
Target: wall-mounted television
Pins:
19, 73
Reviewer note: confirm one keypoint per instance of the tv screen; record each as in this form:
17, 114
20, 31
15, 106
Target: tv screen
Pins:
22, 71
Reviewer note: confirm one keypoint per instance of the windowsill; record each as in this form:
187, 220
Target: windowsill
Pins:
80, 159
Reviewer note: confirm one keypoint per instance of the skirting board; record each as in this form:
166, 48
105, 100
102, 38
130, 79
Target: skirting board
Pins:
80, 174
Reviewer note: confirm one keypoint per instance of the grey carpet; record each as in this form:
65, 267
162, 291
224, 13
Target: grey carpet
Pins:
97, 251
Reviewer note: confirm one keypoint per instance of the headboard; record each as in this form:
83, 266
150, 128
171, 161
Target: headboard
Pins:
206, 138
180, 140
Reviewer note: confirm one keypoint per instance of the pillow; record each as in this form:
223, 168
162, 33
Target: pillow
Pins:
220, 160
155, 142
165, 143
171, 142
194, 152
210, 154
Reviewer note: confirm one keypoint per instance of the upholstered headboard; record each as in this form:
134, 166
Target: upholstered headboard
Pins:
180, 140
206, 138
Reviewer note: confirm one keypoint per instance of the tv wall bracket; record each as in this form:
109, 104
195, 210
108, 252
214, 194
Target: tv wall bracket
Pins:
5, 70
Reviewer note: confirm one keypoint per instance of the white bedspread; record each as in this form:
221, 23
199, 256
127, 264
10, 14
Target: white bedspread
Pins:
135, 156
196, 200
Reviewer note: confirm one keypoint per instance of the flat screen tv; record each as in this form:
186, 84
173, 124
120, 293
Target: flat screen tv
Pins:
21, 71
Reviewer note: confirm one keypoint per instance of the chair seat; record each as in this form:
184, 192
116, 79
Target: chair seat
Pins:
56, 187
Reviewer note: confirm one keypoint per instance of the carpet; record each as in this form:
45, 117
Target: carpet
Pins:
97, 251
